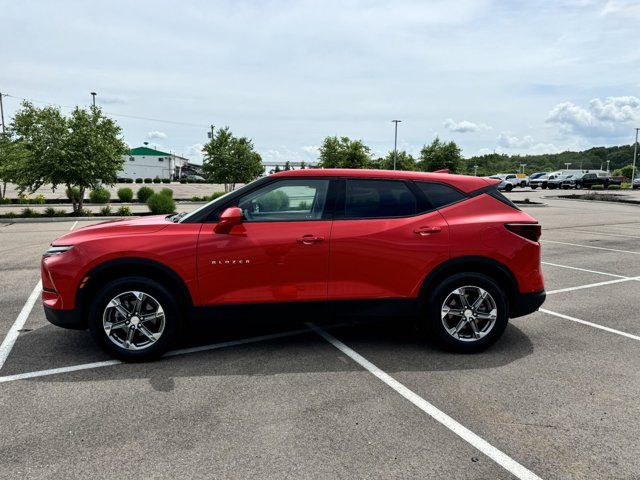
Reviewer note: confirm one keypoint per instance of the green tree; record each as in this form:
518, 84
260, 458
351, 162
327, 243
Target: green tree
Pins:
625, 171
83, 151
404, 161
344, 153
13, 156
230, 160
440, 155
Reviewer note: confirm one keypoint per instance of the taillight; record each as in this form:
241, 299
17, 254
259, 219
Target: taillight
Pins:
530, 231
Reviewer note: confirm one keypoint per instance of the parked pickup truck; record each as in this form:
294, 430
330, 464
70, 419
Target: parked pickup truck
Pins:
588, 180
512, 180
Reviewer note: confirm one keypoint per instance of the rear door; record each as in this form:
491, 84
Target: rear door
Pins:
385, 239
279, 253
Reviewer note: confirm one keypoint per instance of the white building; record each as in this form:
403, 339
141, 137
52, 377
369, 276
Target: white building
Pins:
145, 162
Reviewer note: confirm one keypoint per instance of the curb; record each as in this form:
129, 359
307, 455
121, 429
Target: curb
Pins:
595, 201
62, 219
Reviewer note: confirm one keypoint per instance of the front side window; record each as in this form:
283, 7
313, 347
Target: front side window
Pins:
378, 199
286, 200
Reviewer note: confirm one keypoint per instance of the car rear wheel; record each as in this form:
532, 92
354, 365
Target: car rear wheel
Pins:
134, 319
467, 312
508, 187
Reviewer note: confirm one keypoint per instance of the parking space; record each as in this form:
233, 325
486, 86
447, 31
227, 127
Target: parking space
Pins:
264, 398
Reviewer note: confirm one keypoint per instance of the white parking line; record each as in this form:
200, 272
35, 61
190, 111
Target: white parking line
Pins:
74, 225
463, 432
591, 246
12, 335
604, 234
590, 324
583, 270
173, 353
591, 285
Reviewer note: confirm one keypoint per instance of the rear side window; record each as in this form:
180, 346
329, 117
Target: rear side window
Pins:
499, 196
378, 199
440, 195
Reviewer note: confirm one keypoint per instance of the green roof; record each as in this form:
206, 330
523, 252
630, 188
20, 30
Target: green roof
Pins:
147, 152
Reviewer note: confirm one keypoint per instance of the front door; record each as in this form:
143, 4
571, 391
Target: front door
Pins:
280, 253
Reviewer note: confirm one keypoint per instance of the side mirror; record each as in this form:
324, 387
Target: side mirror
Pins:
231, 217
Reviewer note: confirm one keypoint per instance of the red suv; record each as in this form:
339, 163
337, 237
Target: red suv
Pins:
448, 249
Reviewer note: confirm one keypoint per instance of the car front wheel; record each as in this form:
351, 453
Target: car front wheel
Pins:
467, 312
133, 319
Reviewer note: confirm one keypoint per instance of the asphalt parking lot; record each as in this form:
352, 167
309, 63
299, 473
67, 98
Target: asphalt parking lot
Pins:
556, 397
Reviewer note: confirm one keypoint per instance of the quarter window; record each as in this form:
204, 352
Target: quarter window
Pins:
378, 199
439, 195
286, 200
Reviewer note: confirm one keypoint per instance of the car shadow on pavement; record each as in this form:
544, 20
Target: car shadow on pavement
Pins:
393, 346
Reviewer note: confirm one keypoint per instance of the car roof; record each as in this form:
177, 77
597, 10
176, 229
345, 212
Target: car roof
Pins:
466, 183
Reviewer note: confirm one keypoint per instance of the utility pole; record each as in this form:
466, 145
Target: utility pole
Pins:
210, 134
4, 131
93, 95
567, 165
395, 144
635, 155
608, 161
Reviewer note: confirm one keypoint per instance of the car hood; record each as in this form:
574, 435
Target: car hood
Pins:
134, 226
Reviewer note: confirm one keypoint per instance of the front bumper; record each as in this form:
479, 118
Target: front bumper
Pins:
65, 318
526, 303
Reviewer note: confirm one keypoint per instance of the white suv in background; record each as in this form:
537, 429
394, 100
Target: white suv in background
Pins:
510, 180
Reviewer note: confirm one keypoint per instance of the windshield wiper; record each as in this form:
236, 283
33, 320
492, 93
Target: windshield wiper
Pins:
175, 218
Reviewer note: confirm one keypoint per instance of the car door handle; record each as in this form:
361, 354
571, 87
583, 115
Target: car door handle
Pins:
424, 231
310, 239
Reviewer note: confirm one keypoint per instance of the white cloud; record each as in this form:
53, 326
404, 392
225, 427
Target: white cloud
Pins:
464, 126
156, 135
506, 140
621, 7
311, 149
603, 117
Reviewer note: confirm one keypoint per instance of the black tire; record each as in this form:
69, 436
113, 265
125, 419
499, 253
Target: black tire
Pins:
431, 313
508, 187
158, 293
544, 186
533, 187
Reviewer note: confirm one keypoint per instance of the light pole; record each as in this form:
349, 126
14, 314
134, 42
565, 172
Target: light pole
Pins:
395, 144
93, 95
635, 155
522, 165
475, 170
567, 165
608, 161
2, 115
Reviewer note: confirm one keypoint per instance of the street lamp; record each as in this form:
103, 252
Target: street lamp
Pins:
635, 155
395, 144
522, 165
93, 95
567, 165
475, 170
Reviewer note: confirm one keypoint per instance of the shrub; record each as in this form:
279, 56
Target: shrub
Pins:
10, 215
39, 200
614, 187
138, 180
166, 191
85, 212
5, 200
157, 180
73, 194
128, 180
106, 210
124, 211
99, 195
166, 180
626, 186
597, 187
23, 198
29, 213
196, 198
148, 180
273, 201
217, 195
49, 212
183, 180
159, 203
144, 193
125, 194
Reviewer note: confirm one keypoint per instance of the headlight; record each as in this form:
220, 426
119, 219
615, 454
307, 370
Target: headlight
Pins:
56, 250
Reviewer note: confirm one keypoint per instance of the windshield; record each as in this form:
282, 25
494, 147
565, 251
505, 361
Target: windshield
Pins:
181, 217
538, 175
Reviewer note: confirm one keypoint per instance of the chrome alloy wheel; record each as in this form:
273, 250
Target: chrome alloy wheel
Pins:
469, 313
133, 320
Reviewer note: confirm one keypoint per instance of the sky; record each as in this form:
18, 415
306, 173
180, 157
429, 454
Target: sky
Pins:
504, 76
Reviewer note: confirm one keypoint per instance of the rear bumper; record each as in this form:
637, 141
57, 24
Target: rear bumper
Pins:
65, 318
526, 303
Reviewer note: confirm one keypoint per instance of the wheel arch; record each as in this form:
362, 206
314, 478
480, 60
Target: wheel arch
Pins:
128, 266
473, 264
